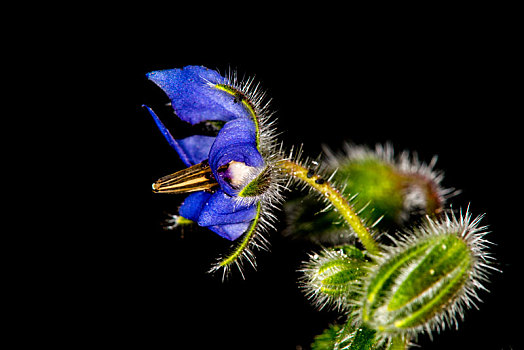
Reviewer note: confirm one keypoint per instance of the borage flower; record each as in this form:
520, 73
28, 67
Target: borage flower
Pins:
233, 177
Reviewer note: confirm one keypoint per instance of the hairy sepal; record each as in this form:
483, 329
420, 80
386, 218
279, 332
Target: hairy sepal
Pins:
397, 189
332, 277
427, 279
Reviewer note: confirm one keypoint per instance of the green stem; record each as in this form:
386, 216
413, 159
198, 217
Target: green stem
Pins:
336, 199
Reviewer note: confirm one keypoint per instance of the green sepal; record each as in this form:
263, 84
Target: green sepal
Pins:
241, 250
338, 275
413, 286
175, 221
258, 185
333, 276
362, 338
347, 337
183, 221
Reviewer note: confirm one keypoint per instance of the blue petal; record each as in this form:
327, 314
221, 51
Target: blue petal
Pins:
192, 150
222, 209
232, 231
196, 148
219, 211
193, 96
193, 205
170, 139
236, 141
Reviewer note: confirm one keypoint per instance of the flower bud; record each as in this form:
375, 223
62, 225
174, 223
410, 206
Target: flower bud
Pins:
388, 188
384, 190
332, 277
424, 282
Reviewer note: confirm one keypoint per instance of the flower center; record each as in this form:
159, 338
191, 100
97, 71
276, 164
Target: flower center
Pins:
247, 180
238, 172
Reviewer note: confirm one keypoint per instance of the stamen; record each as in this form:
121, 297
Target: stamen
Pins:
198, 177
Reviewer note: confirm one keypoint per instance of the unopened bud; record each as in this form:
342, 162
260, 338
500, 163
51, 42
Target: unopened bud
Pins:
424, 282
332, 277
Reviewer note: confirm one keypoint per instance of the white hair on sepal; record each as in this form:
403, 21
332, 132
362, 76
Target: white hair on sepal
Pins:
270, 149
314, 270
473, 234
256, 97
253, 240
262, 186
251, 90
265, 183
420, 177
244, 250
407, 163
254, 93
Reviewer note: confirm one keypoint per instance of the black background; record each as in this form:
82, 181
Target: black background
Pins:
450, 95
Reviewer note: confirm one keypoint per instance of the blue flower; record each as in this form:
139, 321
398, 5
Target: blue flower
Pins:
228, 174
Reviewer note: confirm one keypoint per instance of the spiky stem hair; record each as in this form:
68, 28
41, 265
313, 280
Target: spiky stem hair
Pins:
310, 175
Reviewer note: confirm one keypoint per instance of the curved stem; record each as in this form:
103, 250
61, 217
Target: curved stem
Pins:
336, 199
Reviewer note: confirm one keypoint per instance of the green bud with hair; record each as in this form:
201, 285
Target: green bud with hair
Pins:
424, 281
332, 277
389, 188
386, 191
